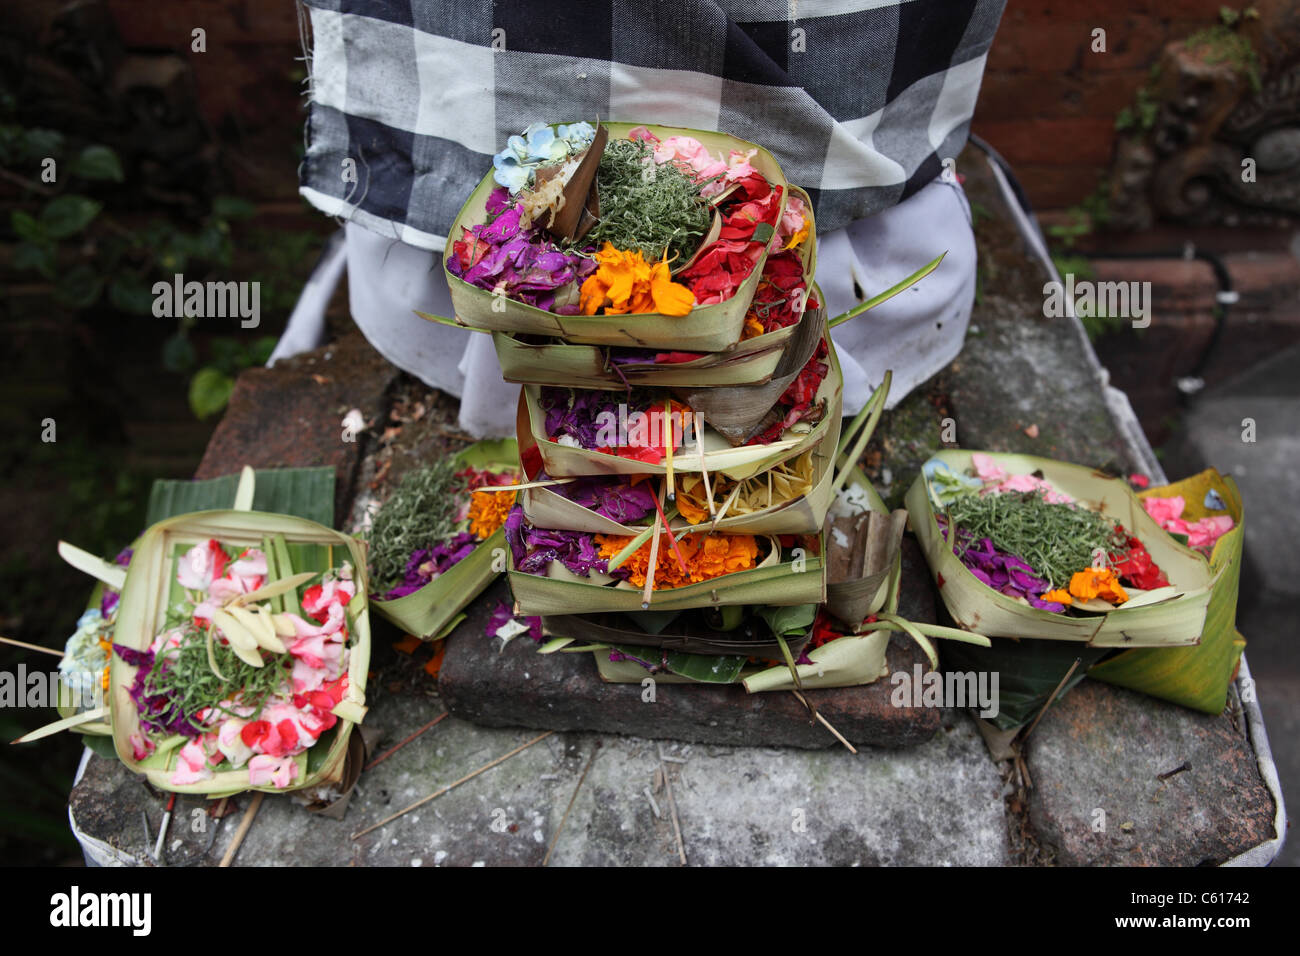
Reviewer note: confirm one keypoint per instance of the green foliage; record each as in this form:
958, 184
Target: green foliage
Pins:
1141, 115
210, 390
79, 288
98, 163
27, 147
1084, 219
1069, 232
1099, 322
1079, 266
66, 237
1222, 43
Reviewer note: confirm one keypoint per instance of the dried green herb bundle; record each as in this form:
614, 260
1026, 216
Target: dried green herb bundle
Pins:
420, 512
647, 206
1056, 540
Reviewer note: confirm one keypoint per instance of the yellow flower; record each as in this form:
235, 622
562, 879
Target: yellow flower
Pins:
488, 511
689, 499
669, 297
753, 328
624, 282
1096, 582
706, 555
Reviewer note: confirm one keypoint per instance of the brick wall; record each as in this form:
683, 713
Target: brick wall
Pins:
1048, 102
249, 79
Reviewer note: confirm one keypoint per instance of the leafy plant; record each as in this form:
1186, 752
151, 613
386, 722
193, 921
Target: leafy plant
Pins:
212, 385
66, 237
1141, 115
1222, 43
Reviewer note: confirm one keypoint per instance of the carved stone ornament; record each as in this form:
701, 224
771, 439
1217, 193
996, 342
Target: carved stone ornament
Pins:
1221, 150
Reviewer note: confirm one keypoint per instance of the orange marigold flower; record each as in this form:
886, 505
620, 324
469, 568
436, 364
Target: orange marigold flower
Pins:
488, 511
706, 555
690, 509
753, 328
624, 282
1060, 596
1097, 582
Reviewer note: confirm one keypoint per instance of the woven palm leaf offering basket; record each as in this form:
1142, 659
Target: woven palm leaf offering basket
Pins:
239, 651
579, 432
782, 299
591, 474
788, 498
764, 647
652, 465
437, 542
1207, 511
84, 667
578, 224
1029, 547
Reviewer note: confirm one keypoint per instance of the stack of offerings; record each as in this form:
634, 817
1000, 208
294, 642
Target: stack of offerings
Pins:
679, 425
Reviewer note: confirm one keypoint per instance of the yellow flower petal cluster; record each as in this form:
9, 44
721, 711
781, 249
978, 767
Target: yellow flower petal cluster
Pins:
625, 283
706, 555
1097, 582
488, 511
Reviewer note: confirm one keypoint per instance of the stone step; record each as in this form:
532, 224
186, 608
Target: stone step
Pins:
517, 687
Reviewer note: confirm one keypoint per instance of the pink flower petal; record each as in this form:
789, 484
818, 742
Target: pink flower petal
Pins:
1164, 510
264, 770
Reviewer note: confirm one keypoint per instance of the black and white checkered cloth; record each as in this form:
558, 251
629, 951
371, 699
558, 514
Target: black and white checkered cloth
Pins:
859, 100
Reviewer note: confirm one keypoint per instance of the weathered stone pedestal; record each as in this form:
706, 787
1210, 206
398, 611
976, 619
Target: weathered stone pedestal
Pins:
516, 687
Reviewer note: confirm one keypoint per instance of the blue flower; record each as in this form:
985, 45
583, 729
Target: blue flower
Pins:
539, 145
577, 135
543, 145
509, 171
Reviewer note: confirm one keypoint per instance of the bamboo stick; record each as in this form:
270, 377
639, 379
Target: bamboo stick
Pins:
824, 722
699, 447
668, 449
672, 806
451, 786
1050, 699
654, 561
398, 746
30, 647
572, 800
245, 822
528, 484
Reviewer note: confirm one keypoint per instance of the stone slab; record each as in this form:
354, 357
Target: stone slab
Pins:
292, 415
935, 804
517, 687
1105, 748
